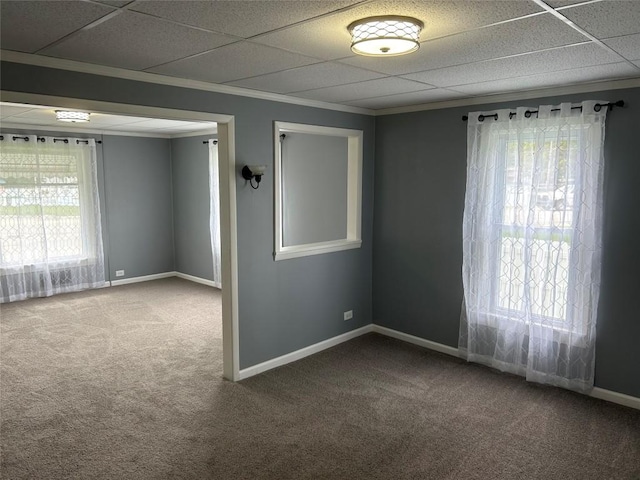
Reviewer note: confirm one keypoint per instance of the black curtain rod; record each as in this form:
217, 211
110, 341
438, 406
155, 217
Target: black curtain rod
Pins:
215, 142
597, 107
42, 139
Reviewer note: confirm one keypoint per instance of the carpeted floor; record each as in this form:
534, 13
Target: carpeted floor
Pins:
126, 383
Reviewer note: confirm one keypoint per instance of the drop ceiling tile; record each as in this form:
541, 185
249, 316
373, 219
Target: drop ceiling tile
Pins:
356, 91
627, 46
567, 77
606, 19
135, 41
133, 128
153, 133
559, 4
9, 110
30, 26
310, 77
404, 99
447, 17
529, 64
329, 39
106, 120
28, 121
233, 62
115, 3
194, 127
520, 36
44, 115
325, 38
241, 18
154, 124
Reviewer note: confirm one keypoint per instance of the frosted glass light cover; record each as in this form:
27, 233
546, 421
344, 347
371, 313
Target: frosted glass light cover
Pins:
67, 116
385, 35
258, 169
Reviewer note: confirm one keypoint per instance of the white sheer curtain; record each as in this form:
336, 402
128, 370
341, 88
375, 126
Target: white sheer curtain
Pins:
50, 228
214, 209
532, 242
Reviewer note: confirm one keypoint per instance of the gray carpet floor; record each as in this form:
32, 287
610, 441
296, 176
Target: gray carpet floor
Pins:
126, 383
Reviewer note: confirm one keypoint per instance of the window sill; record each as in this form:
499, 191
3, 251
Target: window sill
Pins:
285, 253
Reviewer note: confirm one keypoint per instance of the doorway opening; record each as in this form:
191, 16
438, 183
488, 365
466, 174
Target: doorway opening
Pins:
225, 149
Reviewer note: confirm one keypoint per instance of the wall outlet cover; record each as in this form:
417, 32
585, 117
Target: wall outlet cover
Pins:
348, 315
119, 273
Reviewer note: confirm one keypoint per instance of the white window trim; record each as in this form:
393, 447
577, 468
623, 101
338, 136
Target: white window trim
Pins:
354, 192
504, 313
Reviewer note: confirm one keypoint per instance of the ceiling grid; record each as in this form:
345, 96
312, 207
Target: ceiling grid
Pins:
301, 48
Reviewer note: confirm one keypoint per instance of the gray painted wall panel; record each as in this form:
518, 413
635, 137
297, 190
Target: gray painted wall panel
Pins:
190, 173
283, 306
139, 205
420, 188
290, 304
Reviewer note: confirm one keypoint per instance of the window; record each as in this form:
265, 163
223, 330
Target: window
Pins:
318, 183
538, 197
532, 231
50, 233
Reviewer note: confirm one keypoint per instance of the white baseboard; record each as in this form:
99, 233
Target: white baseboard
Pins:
158, 276
597, 392
615, 397
194, 279
145, 278
303, 352
438, 347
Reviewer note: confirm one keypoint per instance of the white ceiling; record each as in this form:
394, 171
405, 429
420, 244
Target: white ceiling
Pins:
301, 47
33, 116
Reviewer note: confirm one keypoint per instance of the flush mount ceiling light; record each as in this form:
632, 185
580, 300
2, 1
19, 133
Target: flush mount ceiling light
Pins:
386, 35
66, 116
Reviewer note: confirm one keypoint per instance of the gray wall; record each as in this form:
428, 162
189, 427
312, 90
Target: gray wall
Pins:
420, 187
314, 188
285, 305
190, 173
139, 211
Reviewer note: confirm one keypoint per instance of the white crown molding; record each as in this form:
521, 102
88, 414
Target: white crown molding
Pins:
52, 128
519, 95
199, 133
74, 66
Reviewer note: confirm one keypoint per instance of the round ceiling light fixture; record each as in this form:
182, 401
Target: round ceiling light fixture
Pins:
67, 116
385, 36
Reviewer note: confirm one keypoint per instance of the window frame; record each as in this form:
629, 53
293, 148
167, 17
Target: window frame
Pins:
85, 219
497, 228
353, 237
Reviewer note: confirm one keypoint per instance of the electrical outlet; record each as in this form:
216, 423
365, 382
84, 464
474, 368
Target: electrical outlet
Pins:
119, 273
348, 315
